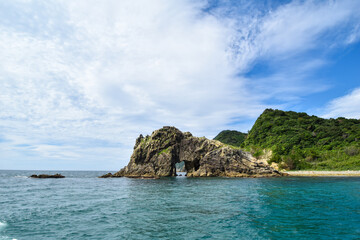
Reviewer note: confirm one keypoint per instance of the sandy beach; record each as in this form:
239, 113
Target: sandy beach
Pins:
323, 173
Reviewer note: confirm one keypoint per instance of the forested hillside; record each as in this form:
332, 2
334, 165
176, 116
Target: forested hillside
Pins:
231, 137
300, 141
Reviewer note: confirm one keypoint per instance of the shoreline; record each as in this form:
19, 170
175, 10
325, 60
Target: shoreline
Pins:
349, 173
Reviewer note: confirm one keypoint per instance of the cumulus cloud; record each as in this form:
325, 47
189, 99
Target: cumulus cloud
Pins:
346, 106
80, 80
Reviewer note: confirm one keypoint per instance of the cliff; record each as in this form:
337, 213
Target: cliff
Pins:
156, 156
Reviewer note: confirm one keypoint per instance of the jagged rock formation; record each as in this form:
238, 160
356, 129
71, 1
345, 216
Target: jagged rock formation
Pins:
156, 155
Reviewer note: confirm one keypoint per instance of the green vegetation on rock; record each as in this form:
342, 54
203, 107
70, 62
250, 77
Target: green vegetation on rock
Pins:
299, 141
166, 150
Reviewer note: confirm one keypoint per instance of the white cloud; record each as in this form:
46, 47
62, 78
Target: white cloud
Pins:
126, 69
346, 106
300, 26
354, 35
285, 32
80, 80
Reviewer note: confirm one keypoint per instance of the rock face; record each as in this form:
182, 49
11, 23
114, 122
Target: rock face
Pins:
47, 176
156, 155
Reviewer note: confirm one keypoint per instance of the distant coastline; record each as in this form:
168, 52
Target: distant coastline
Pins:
324, 173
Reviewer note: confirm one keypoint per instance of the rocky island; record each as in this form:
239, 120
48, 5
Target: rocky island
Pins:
47, 176
157, 155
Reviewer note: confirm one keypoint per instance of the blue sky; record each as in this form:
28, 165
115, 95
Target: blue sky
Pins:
80, 80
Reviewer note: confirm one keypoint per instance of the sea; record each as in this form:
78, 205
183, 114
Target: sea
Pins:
82, 206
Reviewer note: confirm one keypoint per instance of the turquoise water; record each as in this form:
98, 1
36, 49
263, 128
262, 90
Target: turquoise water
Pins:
82, 206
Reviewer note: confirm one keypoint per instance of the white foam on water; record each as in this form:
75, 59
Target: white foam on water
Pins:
2, 225
7, 238
18, 176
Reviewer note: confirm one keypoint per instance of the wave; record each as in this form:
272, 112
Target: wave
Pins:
7, 238
19, 176
2, 225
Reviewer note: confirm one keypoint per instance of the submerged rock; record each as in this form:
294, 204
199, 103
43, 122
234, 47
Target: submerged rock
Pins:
156, 156
47, 176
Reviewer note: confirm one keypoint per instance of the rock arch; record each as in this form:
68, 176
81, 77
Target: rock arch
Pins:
156, 155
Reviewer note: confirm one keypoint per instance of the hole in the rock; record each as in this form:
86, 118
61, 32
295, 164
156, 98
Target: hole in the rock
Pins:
180, 168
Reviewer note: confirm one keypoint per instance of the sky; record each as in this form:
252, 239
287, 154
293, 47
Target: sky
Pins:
80, 80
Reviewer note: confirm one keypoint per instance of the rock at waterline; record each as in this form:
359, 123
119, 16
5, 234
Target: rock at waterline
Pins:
47, 176
157, 155
108, 175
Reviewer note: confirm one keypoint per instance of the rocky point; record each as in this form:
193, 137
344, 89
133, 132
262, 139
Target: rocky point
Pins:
156, 155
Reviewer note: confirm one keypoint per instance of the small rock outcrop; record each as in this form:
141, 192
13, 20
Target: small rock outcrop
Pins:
108, 175
47, 176
156, 156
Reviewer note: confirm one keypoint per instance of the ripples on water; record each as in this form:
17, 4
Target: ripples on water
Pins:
82, 206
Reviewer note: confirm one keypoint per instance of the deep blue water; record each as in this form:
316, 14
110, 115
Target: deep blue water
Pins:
82, 206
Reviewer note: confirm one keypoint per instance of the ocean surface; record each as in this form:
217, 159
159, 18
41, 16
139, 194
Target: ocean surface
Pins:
82, 206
